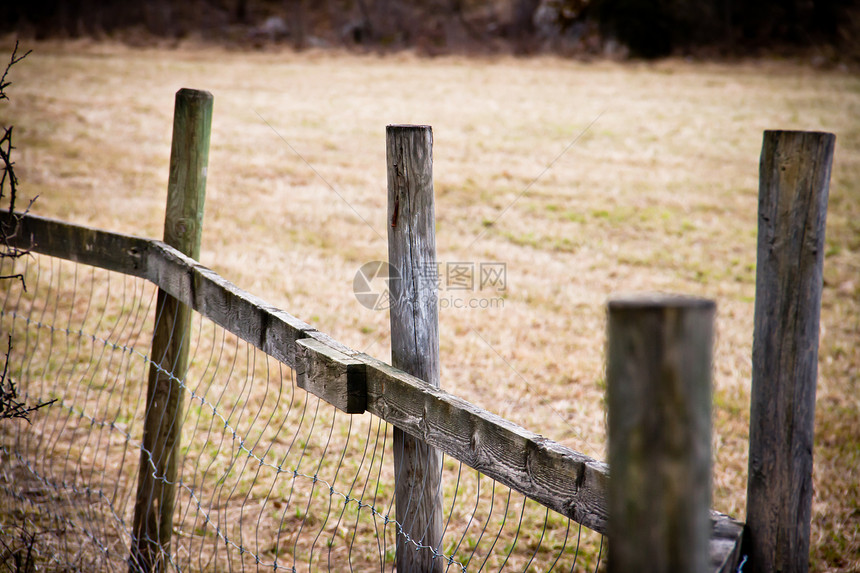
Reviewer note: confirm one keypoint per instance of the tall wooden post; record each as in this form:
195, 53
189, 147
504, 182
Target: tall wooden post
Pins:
794, 183
414, 335
159, 459
659, 398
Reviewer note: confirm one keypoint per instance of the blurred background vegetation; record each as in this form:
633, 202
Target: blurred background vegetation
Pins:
828, 30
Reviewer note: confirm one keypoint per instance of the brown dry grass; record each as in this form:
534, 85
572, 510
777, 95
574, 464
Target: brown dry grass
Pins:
80, 334
660, 193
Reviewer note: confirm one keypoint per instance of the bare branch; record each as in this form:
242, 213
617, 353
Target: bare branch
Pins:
10, 407
10, 227
18, 276
12, 61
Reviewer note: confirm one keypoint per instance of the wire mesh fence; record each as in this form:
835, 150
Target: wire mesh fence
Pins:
269, 478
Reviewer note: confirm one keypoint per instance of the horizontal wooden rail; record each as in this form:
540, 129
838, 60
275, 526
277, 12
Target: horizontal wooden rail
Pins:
554, 475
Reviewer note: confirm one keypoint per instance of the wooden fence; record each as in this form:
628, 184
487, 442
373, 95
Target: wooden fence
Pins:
655, 509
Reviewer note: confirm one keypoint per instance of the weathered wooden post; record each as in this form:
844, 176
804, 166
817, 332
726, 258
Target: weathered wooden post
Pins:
659, 399
794, 182
414, 335
159, 458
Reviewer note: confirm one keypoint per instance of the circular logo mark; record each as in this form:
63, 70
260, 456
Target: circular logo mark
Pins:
372, 285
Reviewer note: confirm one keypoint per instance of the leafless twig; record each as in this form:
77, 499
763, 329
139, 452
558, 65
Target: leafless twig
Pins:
10, 227
10, 407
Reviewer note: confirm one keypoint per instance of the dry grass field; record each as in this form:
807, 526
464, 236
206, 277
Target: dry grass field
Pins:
585, 179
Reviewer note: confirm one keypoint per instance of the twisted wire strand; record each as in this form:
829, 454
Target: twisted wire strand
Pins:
269, 478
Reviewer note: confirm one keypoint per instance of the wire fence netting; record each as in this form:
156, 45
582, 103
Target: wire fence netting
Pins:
269, 477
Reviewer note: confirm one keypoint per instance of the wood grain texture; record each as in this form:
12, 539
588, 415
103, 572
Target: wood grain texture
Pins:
250, 318
247, 316
659, 400
331, 375
414, 336
189, 165
152, 526
562, 479
794, 183
112, 251
725, 543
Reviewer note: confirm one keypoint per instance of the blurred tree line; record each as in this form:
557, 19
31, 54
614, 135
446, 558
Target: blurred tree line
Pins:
648, 28
657, 27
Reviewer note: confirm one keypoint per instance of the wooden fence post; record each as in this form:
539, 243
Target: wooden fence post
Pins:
794, 182
414, 335
159, 458
659, 398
